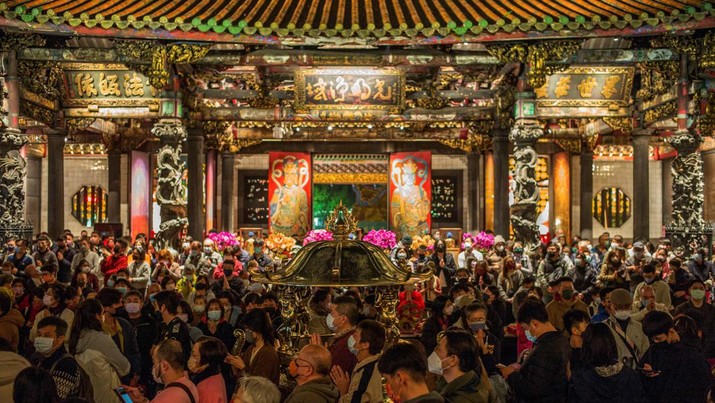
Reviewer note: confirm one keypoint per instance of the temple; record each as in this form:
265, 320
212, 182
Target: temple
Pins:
531, 120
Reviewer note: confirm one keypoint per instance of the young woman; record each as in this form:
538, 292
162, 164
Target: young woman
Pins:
207, 356
442, 309
214, 324
54, 302
96, 352
261, 358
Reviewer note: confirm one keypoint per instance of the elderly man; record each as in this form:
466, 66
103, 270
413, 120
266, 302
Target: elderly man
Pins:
311, 370
645, 302
660, 287
628, 333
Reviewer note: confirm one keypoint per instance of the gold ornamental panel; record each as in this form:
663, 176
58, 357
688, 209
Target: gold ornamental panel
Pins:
353, 89
587, 87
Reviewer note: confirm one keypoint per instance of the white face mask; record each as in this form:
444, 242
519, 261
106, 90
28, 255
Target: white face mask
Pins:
434, 363
132, 307
330, 321
622, 315
44, 344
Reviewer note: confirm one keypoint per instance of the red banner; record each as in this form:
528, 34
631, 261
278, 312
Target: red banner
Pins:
410, 192
289, 198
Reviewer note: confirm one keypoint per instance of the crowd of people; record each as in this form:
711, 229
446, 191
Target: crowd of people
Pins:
92, 318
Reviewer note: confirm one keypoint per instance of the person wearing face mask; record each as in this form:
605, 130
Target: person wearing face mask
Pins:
83, 273
445, 266
635, 263
645, 302
403, 245
146, 329
116, 261
120, 330
259, 256
543, 376
187, 282
51, 354
701, 268
671, 370
613, 270
481, 278
261, 358
698, 307
630, 339
661, 288
468, 250
53, 301
166, 303
21, 260
168, 369
566, 300
475, 320
365, 383
318, 309
522, 259
438, 321
204, 367
404, 367
584, 277
209, 253
575, 323
496, 254
139, 271
44, 254
510, 278
553, 267
311, 370
342, 319
679, 281
456, 364
96, 352
214, 324
85, 255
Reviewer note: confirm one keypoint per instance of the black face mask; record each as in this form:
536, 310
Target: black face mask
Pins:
228, 272
439, 249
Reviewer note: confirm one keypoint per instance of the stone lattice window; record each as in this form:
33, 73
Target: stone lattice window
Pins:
89, 205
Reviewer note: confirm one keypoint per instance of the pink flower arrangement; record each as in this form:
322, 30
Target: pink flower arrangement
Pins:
384, 239
223, 239
483, 241
317, 235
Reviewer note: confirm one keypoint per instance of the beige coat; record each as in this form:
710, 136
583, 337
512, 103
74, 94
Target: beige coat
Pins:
373, 392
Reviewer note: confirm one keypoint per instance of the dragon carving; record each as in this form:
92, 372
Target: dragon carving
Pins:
526, 191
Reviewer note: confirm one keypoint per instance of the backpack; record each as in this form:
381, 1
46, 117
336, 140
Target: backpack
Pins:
85, 390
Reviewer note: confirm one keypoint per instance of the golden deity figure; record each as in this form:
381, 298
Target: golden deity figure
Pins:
410, 204
289, 202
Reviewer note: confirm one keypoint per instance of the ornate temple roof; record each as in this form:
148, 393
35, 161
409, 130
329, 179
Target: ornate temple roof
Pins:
358, 18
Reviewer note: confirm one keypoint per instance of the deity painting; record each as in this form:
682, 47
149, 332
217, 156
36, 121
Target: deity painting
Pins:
289, 190
410, 195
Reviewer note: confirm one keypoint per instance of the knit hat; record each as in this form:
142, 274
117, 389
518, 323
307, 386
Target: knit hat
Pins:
499, 239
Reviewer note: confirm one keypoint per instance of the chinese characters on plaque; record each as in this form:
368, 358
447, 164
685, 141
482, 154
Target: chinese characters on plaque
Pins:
346, 88
108, 84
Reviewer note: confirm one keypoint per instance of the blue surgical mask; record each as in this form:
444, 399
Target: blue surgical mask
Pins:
476, 326
530, 337
214, 315
249, 337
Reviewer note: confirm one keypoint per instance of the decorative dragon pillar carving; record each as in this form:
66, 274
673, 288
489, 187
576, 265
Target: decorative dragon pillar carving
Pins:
12, 179
688, 227
526, 191
170, 193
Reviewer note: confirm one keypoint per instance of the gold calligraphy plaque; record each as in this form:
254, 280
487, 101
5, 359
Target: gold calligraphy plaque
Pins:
349, 89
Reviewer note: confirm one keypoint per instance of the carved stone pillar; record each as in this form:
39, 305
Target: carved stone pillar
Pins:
33, 184
585, 215
12, 192
195, 144
228, 163
526, 191
641, 180
501, 183
55, 182
688, 228
169, 194
114, 181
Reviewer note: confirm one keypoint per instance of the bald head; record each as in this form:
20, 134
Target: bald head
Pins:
647, 292
318, 356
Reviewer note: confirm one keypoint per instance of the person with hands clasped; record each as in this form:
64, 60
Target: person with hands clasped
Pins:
365, 383
455, 361
261, 358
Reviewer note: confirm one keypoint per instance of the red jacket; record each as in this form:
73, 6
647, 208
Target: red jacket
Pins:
111, 265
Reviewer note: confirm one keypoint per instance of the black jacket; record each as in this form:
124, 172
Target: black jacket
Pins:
685, 374
703, 316
542, 378
623, 387
450, 267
